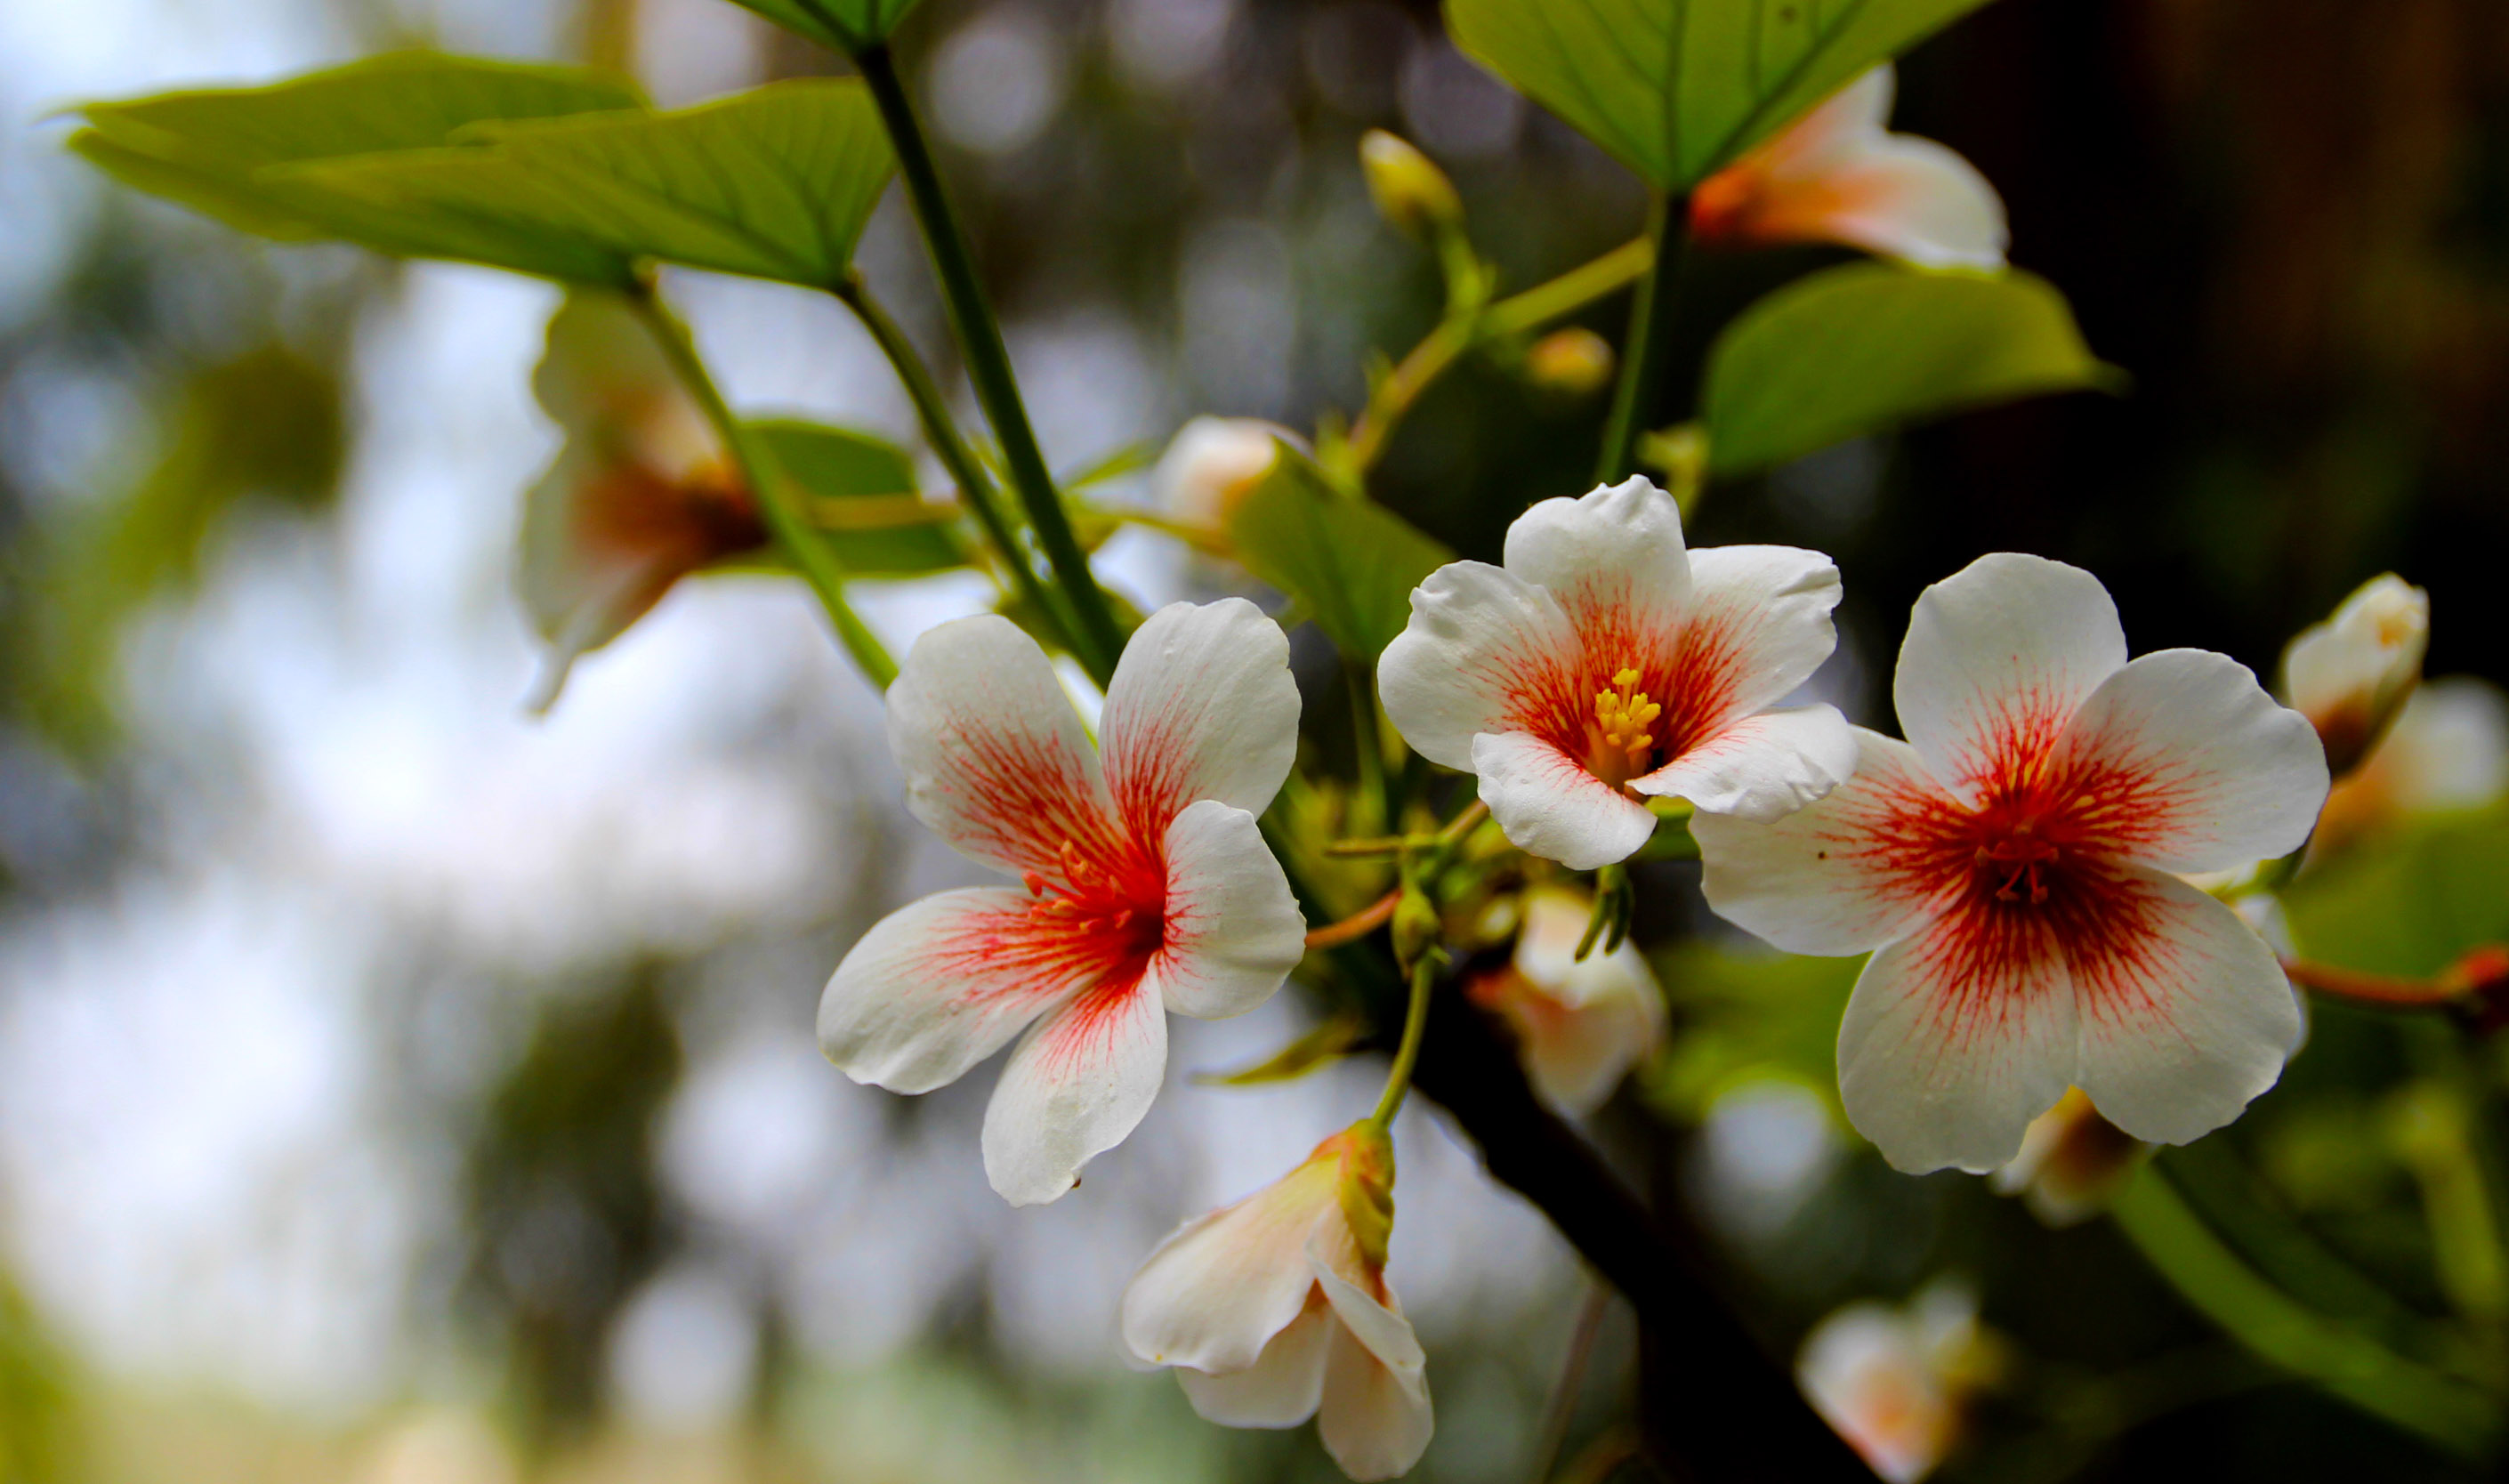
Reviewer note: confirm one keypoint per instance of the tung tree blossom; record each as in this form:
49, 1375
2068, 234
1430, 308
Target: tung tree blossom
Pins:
2015, 864
1896, 1381
1146, 886
1606, 661
1838, 174
1580, 1025
2353, 673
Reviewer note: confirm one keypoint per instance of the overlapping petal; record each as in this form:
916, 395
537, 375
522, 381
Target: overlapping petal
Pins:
1770, 607
1551, 804
1284, 1385
1202, 706
1375, 1417
1218, 1290
1233, 929
1761, 767
1480, 640
1078, 1082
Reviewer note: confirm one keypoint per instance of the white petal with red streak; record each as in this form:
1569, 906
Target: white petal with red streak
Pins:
1999, 657
1548, 805
1223, 1286
1281, 1389
1075, 1086
940, 984
2186, 1016
1616, 546
995, 758
1955, 1038
1836, 876
1478, 638
1761, 767
1375, 1417
1202, 706
1769, 608
2193, 766
1234, 930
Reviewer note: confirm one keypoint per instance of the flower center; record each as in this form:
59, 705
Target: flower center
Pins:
2018, 863
1619, 745
1094, 898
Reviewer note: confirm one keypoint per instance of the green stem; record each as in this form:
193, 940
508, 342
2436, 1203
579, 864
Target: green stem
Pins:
2212, 1281
1642, 351
1369, 744
785, 518
1415, 1022
941, 430
1096, 638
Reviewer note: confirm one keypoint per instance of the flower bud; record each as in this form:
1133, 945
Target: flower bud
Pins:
2351, 674
1897, 1383
1367, 1187
1417, 926
1571, 363
1211, 465
2072, 1160
1409, 191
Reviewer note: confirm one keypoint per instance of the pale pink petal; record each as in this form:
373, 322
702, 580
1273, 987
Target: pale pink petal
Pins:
606, 379
1763, 767
1615, 550
1865, 1372
2186, 1016
1483, 647
1375, 1418
1998, 658
1234, 930
1956, 1037
939, 985
1284, 1385
995, 758
1202, 706
1846, 118
1223, 1286
1902, 198
1770, 607
1546, 803
1545, 953
1575, 1055
1850, 872
1073, 1089
2182, 762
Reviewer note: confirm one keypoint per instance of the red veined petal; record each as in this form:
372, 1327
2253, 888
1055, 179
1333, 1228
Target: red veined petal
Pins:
1078, 1082
1202, 706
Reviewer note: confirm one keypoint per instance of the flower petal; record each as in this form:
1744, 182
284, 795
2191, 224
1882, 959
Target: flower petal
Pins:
1955, 1038
1901, 196
1223, 1286
1234, 930
1616, 548
2188, 765
1202, 706
1999, 657
1848, 118
1575, 1055
2186, 1016
1375, 1418
1770, 607
1847, 872
1548, 805
995, 758
1074, 1088
1284, 1385
1481, 645
1762, 766
939, 985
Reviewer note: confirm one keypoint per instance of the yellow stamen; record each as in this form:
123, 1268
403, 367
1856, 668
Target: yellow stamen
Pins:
1622, 716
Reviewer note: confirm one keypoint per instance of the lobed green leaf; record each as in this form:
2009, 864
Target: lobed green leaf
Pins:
847, 25
1350, 564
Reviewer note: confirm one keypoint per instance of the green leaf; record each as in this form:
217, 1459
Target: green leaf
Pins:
1323, 1042
1676, 88
2409, 901
775, 183
217, 151
885, 535
1351, 564
1747, 1013
1868, 347
849, 26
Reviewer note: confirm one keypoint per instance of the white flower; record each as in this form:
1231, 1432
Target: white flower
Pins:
1606, 661
1895, 1382
2447, 749
2016, 860
1211, 465
2351, 674
1148, 888
1276, 1310
1579, 1026
1838, 175
2072, 1160
641, 495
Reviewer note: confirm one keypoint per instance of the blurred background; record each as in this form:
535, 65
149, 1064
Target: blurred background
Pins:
397, 1088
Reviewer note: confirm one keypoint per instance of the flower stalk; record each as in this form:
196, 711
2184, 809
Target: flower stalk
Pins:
1642, 355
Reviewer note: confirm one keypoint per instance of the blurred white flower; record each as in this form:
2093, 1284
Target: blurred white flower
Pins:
1211, 465
1579, 1026
2353, 673
2072, 1160
1895, 1382
2447, 749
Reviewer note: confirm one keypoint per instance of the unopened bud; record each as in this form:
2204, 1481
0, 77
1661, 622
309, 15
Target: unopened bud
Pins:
1211, 465
1571, 363
1417, 926
1366, 1188
1411, 190
2351, 674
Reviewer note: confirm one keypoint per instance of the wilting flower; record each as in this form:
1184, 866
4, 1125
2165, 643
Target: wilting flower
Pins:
2352, 674
1211, 465
1838, 175
1276, 1310
2447, 749
1605, 661
2072, 1160
1579, 1026
642, 493
2016, 860
1145, 885
1896, 1383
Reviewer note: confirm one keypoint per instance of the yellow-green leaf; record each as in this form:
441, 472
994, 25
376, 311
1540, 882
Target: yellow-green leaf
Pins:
849, 26
1350, 564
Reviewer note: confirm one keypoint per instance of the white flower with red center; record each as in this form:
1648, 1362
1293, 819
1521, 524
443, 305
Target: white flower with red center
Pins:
1580, 1025
1838, 174
1146, 886
1276, 1310
1606, 662
641, 495
2017, 865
